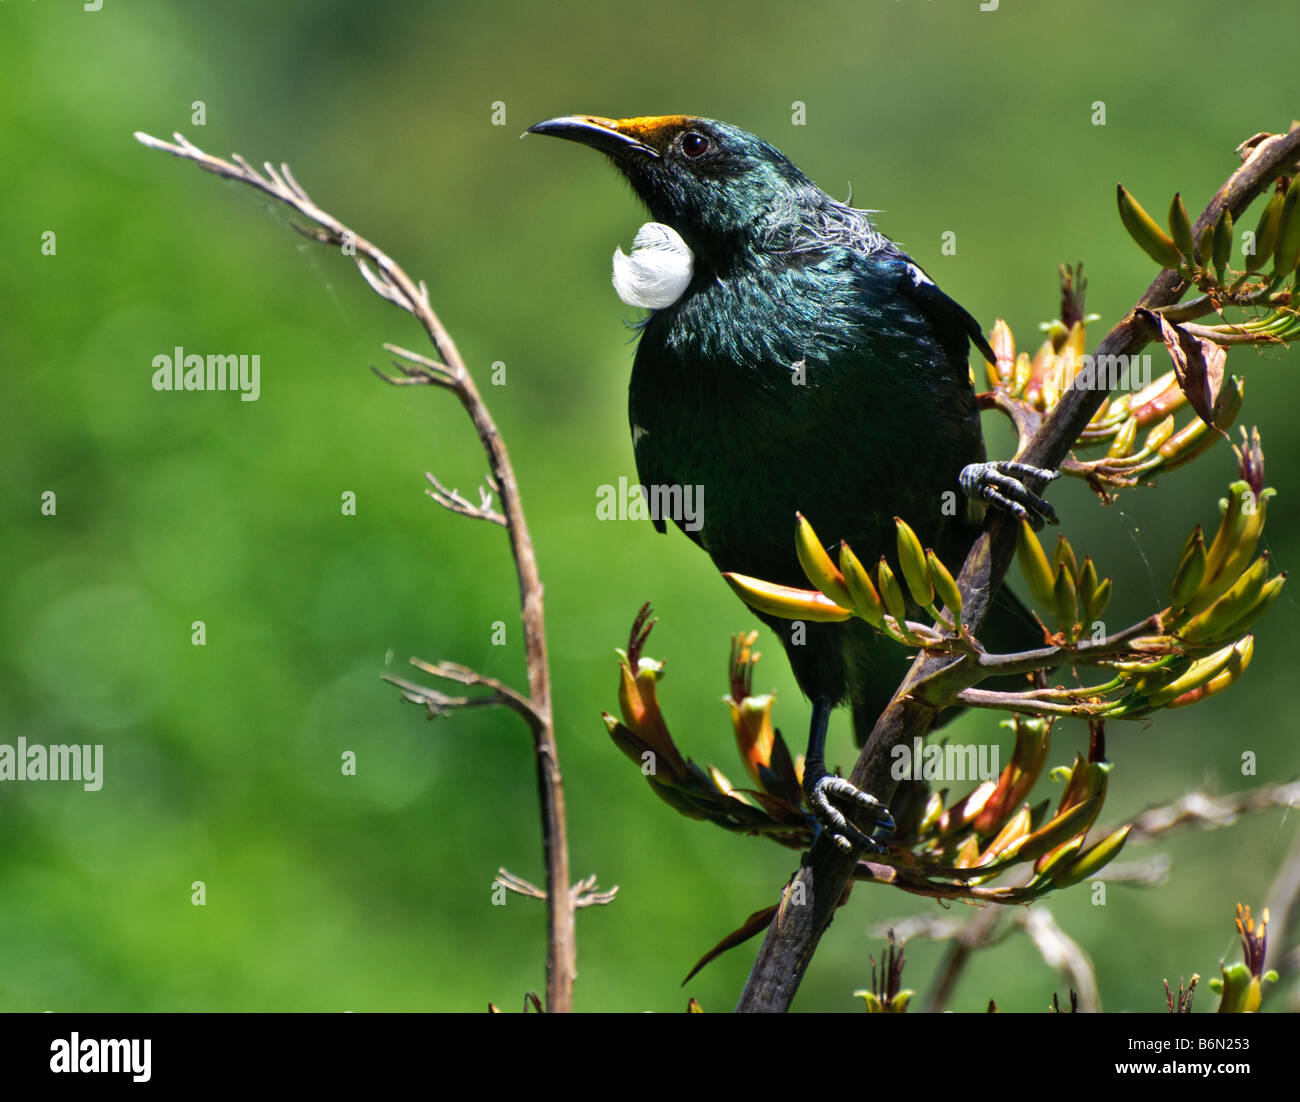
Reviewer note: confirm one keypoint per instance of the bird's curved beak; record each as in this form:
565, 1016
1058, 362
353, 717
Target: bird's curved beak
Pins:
607, 135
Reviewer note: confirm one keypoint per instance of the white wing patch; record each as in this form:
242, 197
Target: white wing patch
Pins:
637, 433
918, 276
658, 270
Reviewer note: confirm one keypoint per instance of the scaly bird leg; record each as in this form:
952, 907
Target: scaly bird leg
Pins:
1007, 484
819, 786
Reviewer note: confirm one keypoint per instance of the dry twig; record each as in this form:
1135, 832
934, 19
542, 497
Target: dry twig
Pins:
390, 282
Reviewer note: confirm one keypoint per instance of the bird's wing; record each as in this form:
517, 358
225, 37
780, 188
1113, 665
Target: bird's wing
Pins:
646, 467
952, 323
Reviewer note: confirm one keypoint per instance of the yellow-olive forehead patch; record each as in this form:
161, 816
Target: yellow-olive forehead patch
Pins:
653, 130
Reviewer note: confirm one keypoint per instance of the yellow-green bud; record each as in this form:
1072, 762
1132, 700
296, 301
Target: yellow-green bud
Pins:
1153, 241
817, 563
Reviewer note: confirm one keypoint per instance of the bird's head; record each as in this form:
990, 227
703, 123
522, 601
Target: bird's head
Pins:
713, 183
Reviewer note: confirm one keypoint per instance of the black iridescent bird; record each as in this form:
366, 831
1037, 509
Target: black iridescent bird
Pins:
797, 360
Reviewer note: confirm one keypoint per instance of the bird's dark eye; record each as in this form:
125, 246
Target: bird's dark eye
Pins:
694, 145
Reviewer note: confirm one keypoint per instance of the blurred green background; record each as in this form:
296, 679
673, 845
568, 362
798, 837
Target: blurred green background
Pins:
223, 762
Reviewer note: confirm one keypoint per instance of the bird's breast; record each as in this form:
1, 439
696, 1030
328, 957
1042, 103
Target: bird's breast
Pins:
764, 397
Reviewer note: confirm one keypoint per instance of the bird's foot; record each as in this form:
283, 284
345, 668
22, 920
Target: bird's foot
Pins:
819, 787
1007, 485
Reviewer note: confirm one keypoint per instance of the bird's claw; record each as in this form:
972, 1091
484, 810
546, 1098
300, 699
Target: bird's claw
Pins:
820, 787
1006, 484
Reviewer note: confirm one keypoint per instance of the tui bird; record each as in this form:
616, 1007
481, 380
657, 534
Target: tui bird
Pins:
798, 360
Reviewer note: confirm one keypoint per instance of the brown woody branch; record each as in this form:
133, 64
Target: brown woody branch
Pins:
793, 937
388, 280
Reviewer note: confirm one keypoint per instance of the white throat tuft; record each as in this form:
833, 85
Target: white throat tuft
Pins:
659, 269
